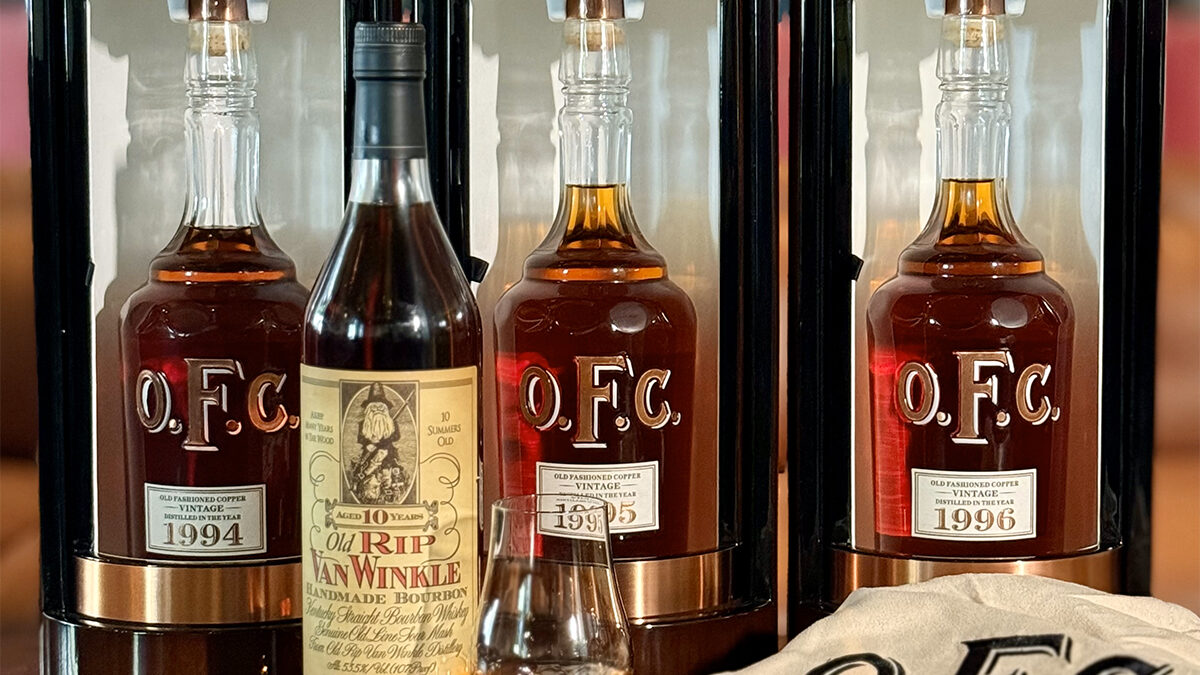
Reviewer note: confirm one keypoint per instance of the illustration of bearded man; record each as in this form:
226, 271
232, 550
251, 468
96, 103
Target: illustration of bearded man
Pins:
377, 476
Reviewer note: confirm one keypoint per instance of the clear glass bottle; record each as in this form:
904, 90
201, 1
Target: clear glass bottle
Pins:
390, 401
596, 346
210, 346
971, 344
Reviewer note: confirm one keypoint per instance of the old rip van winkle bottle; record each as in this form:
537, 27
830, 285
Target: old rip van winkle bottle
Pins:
970, 344
595, 346
390, 401
210, 349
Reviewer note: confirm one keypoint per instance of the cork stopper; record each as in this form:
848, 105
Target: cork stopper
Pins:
974, 7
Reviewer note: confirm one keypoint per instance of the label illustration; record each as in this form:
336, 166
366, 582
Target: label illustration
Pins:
389, 489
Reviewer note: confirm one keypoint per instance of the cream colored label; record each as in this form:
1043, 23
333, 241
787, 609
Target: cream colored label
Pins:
974, 505
206, 521
390, 522
631, 490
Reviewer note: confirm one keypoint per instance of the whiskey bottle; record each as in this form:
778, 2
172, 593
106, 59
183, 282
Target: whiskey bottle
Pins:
970, 344
210, 351
595, 345
390, 401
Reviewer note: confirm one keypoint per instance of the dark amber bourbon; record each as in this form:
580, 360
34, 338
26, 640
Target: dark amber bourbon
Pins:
594, 366
390, 402
970, 349
211, 356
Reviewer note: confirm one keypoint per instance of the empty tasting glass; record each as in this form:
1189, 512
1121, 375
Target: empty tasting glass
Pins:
549, 603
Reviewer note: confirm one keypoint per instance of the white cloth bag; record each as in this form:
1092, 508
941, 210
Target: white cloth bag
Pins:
999, 624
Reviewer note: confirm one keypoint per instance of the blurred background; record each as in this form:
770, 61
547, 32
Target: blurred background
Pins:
1176, 545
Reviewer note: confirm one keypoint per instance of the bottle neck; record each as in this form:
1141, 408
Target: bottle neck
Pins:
973, 116
389, 118
221, 127
392, 181
972, 231
595, 125
389, 161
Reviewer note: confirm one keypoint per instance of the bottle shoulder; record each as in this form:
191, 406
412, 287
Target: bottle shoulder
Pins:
596, 308
236, 255
1000, 302
392, 277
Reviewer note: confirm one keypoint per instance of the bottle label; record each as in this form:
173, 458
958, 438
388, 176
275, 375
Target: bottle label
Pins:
974, 505
200, 521
210, 451
571, 517
389, 507
604, 382
631, 490
978, 377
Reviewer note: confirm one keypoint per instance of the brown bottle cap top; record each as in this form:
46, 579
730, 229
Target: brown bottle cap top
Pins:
974, 7
595, 9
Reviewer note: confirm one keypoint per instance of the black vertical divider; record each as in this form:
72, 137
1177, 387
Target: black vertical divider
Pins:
446, 105
62, 282
1133, 172
749, 264
821, 269
822, 266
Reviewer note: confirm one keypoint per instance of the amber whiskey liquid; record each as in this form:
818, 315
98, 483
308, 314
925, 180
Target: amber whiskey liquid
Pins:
211, 354
952, 338
594, 366
970, 349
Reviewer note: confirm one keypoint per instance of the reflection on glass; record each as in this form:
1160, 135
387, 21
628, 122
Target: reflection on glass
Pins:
893, 113
1054, 220
549, 601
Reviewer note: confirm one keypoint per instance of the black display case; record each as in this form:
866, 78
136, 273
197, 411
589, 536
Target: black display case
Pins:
1086, 146
107, 102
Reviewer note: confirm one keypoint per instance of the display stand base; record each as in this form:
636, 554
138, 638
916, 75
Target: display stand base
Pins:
720, 642
858, 569
94, 649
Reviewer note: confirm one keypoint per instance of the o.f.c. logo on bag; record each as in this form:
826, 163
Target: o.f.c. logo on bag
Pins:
1010, 654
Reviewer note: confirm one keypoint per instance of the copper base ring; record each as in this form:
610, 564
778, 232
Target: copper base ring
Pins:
858, 569
164, 595
662, 587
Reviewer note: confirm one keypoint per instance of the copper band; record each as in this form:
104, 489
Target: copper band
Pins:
974, 7
595, 9
855, 569
178, 595
666, 586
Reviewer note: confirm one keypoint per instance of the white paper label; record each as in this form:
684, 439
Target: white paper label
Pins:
631, 490
206, 521
974, 505
570, 516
